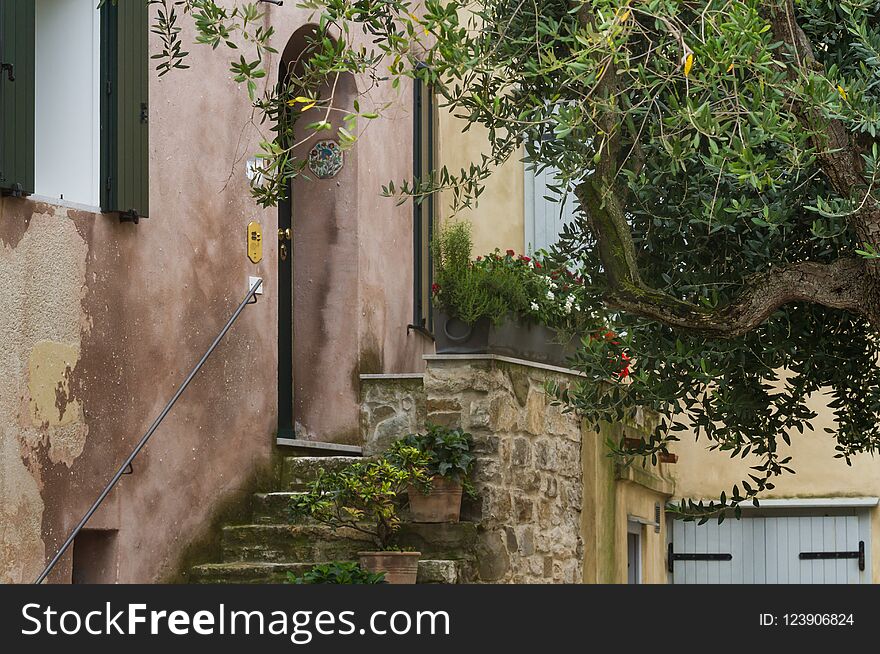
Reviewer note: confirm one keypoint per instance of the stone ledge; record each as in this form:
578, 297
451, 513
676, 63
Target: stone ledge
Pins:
315, 446
638, 475
502, 358
393, 376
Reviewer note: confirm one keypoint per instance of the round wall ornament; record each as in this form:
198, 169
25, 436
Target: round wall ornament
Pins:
325, 159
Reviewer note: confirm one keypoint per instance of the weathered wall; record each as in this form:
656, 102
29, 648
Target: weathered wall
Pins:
498, 220
391, 407
528, 472
100, 321
551, 507
613, 494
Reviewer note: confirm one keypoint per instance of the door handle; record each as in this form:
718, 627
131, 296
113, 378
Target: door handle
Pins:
10, 71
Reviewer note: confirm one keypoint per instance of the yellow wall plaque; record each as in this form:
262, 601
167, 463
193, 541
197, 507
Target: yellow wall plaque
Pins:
255, 242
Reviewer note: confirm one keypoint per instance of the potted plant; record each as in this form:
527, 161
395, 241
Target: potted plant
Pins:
338, 572
504, 303
365, 497
446, 457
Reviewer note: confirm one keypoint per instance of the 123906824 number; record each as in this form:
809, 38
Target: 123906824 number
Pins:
818, 619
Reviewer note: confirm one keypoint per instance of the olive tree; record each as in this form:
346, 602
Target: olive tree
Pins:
723, 155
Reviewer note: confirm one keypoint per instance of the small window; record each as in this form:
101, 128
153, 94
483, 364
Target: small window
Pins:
73, 102
423, 212
633, 553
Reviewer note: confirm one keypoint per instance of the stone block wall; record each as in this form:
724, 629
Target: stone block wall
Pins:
550, 506
391, 406
528, 472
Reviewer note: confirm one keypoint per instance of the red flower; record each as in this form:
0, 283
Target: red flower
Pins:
510, 253
624, 369
524, 258
435, 288
479, 258
537, 265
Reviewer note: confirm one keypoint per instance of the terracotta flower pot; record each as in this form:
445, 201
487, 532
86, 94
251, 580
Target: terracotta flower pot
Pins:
441, 504
399, 567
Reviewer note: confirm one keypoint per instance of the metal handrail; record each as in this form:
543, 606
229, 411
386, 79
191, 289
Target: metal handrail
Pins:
146, 437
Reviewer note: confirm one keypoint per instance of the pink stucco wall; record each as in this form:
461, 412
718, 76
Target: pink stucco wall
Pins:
139, 304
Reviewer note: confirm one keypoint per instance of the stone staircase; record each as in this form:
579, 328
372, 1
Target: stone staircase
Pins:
267, 548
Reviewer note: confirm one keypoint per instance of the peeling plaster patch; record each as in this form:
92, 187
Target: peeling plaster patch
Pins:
67, 443
41, 322
49, 384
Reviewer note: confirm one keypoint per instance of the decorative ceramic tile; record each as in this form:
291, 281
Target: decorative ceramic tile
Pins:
325, 159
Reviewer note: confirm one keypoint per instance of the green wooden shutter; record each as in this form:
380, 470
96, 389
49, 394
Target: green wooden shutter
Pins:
124, 129
17, 36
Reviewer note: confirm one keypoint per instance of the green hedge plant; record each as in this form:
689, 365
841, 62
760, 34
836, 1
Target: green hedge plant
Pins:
337, 572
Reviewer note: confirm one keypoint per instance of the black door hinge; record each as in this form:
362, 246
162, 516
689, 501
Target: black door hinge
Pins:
673, 556
855, 554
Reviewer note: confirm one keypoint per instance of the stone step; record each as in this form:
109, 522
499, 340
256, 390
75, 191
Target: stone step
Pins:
307, 542
297, 472
241, 572
430, 572
449, 540
280, 543
272, 508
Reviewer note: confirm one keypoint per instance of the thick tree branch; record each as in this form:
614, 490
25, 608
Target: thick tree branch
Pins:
838, 285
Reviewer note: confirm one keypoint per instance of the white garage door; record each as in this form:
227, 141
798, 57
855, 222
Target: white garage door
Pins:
792, 549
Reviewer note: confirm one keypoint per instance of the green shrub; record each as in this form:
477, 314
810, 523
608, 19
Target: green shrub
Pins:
338, 572
363, 496
441, 451
497, 285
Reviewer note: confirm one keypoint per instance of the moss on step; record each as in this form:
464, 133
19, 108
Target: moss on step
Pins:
298, 471
431, 571
272, 508
452, 540
278, 543
231, 508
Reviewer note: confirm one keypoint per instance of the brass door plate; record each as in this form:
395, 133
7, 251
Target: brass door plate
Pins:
255, 242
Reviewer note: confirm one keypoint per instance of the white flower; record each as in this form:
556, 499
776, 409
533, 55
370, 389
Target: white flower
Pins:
550, 295
534, 306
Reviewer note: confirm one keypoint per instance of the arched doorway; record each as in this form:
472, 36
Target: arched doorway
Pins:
318, 272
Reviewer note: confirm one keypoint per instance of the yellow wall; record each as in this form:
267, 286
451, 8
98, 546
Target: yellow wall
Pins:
611, 494
498, 218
